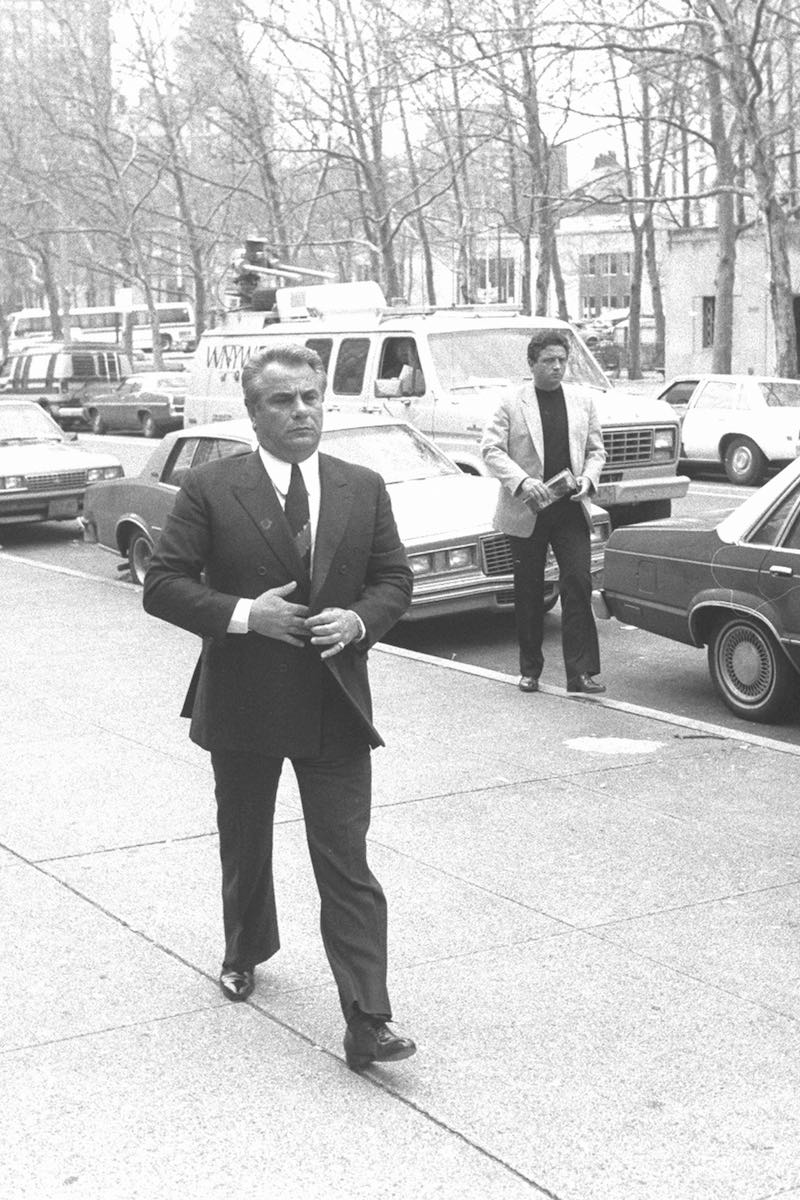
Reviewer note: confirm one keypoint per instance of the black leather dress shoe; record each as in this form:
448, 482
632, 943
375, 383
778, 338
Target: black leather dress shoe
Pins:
528, 683
237, 985
368, 1040
585, 684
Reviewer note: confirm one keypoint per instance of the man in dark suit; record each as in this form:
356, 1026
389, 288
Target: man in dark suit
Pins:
288, 564
539, 432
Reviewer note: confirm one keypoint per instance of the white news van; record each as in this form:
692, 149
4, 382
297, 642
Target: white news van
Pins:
443, 370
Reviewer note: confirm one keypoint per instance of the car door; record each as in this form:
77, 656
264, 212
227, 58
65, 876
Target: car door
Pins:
709, 418
779, 576
115, 405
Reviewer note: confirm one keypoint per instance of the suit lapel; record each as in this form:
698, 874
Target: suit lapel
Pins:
533, 419
336, 499
258, 498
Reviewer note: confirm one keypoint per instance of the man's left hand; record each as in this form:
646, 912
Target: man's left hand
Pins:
584, 487
334, 628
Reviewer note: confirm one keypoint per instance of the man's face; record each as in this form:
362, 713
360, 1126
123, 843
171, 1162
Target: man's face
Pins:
549, 368
287, 417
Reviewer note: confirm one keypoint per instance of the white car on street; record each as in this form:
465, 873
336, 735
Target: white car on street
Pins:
745, 422
44, 474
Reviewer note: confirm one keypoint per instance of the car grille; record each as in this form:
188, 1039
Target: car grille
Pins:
56, 480
628, 446
496, 555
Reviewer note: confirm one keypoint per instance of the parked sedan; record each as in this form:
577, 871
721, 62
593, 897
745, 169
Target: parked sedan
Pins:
734, 588
460, 563
43, 473
150, 403
743, 422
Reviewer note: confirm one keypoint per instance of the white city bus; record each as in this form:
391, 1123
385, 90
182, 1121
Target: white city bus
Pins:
104, 324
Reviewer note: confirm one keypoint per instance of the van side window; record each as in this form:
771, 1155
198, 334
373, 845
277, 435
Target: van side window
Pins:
322, 347
83, 366
400, 361
348, 378
111, 366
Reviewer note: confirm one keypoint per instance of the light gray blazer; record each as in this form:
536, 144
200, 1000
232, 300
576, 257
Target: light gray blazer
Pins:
513, 449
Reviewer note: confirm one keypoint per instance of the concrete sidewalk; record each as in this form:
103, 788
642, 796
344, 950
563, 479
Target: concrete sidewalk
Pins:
594, 939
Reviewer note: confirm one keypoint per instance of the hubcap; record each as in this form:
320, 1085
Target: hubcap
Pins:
746, 665
742, 460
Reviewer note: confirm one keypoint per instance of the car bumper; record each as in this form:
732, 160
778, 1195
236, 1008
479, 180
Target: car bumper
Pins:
58, 506
612, 493
435, 598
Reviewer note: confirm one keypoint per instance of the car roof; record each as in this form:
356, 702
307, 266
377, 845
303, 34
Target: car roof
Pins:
738, 523
704, 376
334, 419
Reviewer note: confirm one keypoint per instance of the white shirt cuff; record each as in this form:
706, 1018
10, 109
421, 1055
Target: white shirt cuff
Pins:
240, 616
362, 629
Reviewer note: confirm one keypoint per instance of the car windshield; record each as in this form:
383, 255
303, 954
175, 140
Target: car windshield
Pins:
780, 393
396, 452
26, 423
470, 359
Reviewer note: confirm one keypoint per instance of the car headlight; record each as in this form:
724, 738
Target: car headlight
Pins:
12, 483
460, 558
664, 443
96, 473
457, 558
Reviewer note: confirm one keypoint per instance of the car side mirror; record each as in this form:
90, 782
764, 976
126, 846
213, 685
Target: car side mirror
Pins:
387, 389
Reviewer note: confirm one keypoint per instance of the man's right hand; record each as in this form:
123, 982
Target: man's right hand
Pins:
534, 489
272, 616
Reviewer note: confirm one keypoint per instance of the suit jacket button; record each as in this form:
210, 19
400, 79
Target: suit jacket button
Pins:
261, 570
343, 569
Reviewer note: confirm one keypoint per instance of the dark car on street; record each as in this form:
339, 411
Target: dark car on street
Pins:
150, 403
733, 588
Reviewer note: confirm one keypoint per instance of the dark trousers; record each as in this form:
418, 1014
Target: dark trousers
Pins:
562, 526
335, 794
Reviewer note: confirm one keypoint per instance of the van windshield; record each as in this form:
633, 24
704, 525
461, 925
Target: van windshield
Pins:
470, 359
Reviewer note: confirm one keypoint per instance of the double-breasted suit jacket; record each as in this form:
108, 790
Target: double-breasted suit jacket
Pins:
227, 538
513, 449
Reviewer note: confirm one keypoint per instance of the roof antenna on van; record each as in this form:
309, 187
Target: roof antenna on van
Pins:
256, 275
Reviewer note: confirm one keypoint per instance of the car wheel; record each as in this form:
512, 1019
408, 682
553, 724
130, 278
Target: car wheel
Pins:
550, 602
149, 427
744, 462
166, 341
97, 423
140, 551
750, 671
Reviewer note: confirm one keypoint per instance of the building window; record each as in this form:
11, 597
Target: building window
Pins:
708, 315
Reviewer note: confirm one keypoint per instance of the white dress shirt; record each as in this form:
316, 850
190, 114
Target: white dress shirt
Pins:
280, 474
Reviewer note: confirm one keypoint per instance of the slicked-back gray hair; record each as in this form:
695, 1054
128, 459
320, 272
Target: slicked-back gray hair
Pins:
285, 354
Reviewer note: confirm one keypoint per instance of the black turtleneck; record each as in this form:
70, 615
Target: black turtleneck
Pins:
555, 430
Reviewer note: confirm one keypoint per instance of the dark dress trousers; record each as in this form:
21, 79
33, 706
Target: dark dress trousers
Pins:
254, 701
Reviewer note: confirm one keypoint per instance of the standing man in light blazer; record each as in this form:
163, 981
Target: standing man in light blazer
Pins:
540, 431
288, 564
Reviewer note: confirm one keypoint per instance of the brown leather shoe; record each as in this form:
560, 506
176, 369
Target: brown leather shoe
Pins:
368, 1039
528, 683
237, 985
585, 684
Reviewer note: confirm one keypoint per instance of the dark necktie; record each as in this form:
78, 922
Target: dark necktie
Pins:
296, 511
